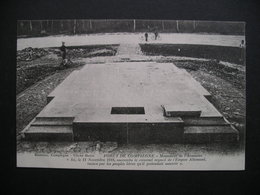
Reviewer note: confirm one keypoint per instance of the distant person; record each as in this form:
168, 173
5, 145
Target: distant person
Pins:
63, 53
242, 51
146, 36
242, 44
156, 35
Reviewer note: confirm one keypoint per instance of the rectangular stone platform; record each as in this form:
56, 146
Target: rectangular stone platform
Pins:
127, 102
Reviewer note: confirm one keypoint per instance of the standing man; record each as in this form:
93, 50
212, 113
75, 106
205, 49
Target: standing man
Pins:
146, 36
155, 34
63, 53
242, 51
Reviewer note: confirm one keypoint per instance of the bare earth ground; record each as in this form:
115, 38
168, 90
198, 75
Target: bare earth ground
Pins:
225, 82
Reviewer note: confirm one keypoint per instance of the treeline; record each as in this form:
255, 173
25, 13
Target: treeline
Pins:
52, 27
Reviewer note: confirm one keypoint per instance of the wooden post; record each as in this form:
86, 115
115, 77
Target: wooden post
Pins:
90, 24
163, 25
41, 25
177, 25
74, 27
20, 23
52, 26
83, 25
134, 25
31, 25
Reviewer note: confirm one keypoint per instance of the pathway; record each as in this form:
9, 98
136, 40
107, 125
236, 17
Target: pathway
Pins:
130, 51
118, 38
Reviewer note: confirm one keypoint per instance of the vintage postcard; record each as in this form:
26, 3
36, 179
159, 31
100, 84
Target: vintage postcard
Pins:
131, 94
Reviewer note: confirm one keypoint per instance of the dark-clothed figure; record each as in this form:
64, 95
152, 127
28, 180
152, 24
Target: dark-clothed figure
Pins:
242, 51
242, 44
63, 51
155, 35
146, 36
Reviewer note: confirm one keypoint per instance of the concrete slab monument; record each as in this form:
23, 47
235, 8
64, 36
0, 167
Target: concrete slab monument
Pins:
131, 102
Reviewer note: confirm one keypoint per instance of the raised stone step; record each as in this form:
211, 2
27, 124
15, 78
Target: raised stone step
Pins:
53, 121
49, 133
210, 134
181, 111
205, 121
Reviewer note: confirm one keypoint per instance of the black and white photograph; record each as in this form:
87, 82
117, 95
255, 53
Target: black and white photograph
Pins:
131, 94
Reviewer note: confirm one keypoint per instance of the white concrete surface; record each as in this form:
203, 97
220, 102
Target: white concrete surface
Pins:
89, 94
